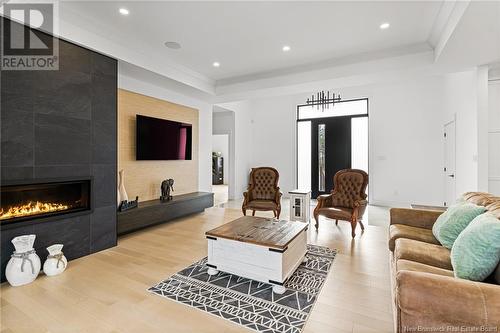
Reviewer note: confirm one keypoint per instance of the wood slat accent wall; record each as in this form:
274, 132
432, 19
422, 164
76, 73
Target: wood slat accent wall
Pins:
143, 178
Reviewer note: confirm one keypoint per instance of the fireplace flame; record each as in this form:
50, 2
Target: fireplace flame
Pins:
31, 208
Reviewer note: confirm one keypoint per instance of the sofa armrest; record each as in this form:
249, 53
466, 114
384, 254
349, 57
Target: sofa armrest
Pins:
433, 301
414, 217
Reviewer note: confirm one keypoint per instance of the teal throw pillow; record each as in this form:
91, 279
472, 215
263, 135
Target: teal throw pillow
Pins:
476, 251
453, 221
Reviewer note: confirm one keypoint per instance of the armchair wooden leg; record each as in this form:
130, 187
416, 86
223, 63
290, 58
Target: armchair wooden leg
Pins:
336, 222
278, 212
244, 211
361, 224
353, 227
253, 212
316, 218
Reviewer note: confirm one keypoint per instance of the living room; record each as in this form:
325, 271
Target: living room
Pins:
356, 188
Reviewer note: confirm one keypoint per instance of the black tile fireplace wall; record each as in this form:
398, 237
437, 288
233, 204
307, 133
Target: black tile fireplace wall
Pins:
63, 124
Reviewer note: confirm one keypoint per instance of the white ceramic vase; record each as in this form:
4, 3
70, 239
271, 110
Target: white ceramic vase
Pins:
118, 201
24, 264
56, 261
121, 188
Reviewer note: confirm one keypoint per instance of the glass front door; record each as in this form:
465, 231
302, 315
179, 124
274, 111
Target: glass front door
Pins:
329, 141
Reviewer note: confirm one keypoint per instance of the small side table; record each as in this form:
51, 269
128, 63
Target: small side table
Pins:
300, 205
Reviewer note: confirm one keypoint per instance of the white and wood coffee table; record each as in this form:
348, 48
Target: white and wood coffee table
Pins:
258, 249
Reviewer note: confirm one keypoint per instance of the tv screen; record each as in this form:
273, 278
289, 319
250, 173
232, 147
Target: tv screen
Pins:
160, 139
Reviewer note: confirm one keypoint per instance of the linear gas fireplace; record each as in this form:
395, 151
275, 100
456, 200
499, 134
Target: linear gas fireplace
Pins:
33, 201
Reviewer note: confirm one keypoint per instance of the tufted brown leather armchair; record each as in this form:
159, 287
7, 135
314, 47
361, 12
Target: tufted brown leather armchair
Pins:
347, 201
263, 192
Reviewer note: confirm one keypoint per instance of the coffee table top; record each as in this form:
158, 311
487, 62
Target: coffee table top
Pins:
260, 231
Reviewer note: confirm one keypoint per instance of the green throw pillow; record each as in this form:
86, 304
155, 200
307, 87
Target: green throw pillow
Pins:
453, 221
476, 252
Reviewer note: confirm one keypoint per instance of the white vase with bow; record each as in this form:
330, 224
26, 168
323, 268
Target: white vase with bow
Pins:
56, 261
24, 264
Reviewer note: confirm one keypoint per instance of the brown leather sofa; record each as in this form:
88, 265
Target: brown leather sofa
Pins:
427, 296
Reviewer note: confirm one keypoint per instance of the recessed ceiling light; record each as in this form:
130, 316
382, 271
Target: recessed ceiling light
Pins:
216, 64
286, 48
385, 25
173, 45
124, 11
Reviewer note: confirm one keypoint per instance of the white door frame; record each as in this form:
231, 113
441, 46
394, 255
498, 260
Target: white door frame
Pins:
493, 130
445, 172
232, 154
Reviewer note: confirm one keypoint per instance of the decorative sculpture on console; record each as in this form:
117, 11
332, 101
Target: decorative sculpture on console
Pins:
127, 204
167, 186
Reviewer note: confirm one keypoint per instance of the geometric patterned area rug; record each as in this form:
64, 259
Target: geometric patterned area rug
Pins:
250, 303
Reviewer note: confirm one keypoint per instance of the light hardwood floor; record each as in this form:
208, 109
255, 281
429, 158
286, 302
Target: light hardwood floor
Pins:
221, 194
107, 291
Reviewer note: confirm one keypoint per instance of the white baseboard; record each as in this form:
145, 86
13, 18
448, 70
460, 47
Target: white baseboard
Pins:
386, 203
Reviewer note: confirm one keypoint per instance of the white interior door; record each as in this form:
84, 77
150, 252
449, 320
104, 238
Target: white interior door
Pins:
494, 137
449, 163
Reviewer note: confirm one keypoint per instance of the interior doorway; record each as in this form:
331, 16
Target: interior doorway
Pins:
330, 140
223, 149
220, 168
449, 163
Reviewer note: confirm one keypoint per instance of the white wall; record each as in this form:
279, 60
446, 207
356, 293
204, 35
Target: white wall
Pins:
220, 143
146, 83
405, 141
274, 137
223, 121
406, 152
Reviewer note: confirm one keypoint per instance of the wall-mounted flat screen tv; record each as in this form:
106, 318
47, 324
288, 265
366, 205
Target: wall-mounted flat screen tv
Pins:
160, 139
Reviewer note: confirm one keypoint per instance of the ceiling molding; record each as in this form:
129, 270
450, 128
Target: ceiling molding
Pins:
127, 72
355, 74
440, 22
446, 23
387, 77
329, 63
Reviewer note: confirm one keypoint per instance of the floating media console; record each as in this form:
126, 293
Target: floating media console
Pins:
153, 212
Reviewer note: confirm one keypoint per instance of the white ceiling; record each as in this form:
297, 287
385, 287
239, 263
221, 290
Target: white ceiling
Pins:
247, 37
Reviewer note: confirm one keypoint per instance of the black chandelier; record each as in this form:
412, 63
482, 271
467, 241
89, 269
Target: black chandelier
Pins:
323, 100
